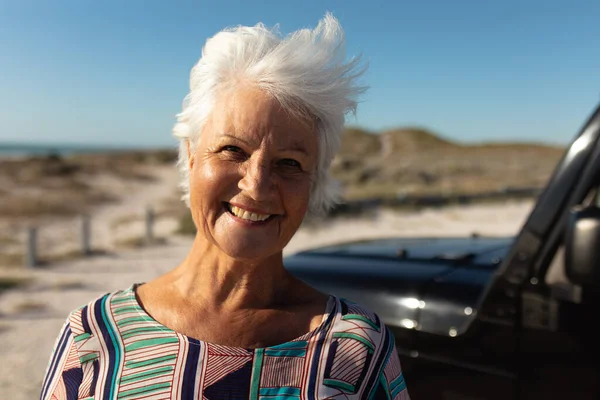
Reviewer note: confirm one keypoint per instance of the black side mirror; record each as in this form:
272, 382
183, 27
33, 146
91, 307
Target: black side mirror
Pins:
582, 247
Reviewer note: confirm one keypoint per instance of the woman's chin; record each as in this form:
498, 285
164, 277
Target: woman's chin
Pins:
247, 242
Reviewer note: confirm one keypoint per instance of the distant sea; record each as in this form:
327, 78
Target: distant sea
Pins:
10, 150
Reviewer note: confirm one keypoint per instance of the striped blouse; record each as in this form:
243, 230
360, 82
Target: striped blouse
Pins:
112, 349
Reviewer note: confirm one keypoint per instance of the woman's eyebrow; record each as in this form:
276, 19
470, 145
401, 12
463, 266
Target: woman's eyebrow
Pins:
297, 147
227, 135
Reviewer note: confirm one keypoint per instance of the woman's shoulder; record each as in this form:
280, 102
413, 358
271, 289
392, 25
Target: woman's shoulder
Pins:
356, 322
353, 313
100, 307
360, 351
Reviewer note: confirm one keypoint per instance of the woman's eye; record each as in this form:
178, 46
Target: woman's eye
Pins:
288, 162
233, 153
231, 148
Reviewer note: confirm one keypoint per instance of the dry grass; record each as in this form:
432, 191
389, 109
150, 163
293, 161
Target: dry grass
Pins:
60, 186
67, 255
11, 260
167, 208
11, 282
17, 260
58, 203
138, 242
172, 206
67, 285
125, 220
8, 240
415, 161
29, 307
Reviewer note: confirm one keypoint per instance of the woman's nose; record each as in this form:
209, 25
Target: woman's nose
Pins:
256, 180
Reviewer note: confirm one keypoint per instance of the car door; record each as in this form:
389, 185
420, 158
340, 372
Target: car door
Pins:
558, 347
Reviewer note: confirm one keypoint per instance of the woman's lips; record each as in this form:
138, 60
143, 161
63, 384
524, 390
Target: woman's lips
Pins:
248, 215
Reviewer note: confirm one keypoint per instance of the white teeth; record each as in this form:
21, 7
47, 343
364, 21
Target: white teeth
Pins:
238, 212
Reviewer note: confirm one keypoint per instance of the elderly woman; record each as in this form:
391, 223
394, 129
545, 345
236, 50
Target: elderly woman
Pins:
258, 131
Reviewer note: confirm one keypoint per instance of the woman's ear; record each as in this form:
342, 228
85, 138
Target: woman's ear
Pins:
190, 155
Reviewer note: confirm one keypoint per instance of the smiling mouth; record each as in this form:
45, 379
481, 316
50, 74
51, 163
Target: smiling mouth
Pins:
246, 215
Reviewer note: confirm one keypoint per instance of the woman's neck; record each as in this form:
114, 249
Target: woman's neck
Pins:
209, 277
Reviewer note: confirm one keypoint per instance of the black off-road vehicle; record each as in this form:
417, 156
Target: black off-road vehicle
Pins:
483, 317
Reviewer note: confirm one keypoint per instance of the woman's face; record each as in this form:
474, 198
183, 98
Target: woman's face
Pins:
251, 175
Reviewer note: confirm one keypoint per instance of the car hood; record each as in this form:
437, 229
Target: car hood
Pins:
433, 285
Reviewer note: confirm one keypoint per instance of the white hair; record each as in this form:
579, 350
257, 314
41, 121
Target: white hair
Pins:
306, 72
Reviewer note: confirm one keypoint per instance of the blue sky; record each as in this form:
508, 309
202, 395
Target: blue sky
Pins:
115, 72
